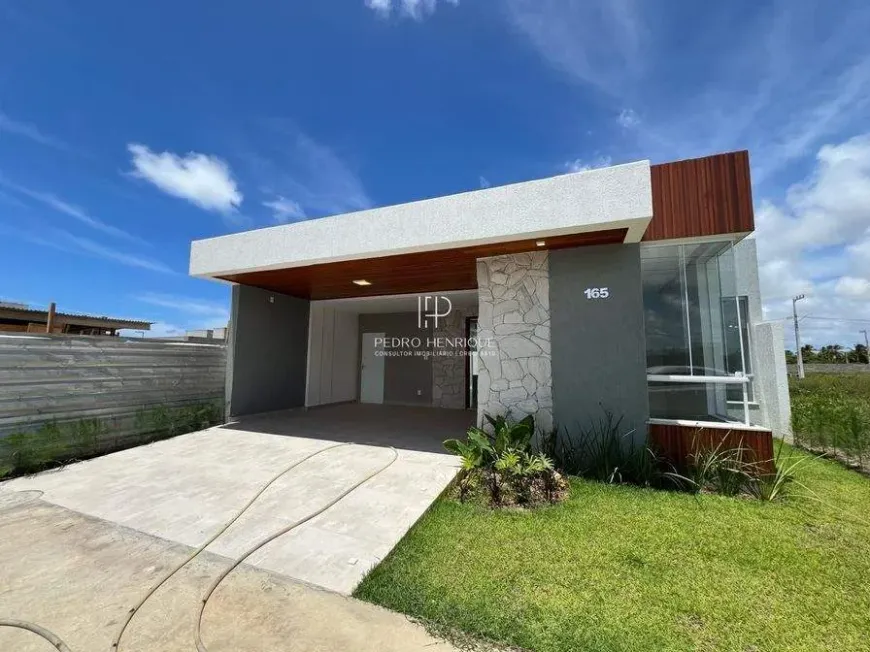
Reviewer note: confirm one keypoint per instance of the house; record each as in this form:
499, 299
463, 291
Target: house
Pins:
201, 336
631, 289
20, 318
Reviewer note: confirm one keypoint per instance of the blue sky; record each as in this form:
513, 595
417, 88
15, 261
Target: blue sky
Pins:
129, 129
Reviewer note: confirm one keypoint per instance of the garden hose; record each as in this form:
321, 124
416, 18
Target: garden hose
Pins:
56, 641
49, 636
117, 641
200, 646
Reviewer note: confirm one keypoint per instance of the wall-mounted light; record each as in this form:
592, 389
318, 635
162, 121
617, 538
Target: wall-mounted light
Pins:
362, 281
541, 243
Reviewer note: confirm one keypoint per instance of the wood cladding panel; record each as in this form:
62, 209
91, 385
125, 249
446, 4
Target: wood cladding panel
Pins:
678, 443
701, 197
423, 272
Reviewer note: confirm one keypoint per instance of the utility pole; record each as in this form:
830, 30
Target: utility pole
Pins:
797, 335
866, 345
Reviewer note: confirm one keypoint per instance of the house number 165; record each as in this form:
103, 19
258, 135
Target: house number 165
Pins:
596, 293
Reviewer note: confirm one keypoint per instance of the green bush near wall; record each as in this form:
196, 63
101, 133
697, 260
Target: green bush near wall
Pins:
53, 443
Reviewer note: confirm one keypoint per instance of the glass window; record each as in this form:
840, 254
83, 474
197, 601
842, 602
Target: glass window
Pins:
695, 326
737, 327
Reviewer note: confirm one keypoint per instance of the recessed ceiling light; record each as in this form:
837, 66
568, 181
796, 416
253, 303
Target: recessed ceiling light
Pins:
361, 281
541, 243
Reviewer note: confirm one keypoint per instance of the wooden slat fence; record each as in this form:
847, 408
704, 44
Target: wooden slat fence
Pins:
66, 379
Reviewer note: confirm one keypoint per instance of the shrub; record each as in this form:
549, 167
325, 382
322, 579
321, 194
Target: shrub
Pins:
720, 470
730, 472
504, 464
776, 485
608, 452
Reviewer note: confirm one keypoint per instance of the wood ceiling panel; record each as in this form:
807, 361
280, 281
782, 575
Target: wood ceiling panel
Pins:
424, 272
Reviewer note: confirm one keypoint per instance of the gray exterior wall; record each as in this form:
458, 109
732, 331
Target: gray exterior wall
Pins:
407, 380
267, 351
599, 347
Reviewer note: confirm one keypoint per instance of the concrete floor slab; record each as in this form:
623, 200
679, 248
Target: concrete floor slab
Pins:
78, 576
184, 489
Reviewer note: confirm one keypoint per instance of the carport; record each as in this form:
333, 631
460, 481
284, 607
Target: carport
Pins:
410, 429
318, 306
377, 350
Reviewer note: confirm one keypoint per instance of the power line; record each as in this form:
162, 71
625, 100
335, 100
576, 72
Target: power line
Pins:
866, 321
846, 319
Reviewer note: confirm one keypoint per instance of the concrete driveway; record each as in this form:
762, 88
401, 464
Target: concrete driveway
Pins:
183, 489
79, 544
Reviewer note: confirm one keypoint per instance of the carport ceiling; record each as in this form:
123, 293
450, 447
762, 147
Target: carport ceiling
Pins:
423, 272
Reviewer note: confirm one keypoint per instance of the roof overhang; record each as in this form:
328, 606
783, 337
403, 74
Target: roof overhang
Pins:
432, 245
610, 200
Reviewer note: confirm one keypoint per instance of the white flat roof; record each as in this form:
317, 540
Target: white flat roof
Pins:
617, 197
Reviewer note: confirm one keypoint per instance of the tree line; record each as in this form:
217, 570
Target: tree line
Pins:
829, 354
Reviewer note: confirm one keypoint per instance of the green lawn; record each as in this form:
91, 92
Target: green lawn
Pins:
622, 568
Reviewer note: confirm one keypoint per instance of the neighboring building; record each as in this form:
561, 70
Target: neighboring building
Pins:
200, 336
19, 318
632, 289
208, 334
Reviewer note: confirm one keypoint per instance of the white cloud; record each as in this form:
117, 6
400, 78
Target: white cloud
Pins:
61, 240
628, 119
69, 209
130, 260
816, 241
204, 180
849, 286
416, 9
483, 182
296, 165
582, 165
778, 80
382, 7
187, 314
597, 42
29, 131
285, 210
187, 305
830, 207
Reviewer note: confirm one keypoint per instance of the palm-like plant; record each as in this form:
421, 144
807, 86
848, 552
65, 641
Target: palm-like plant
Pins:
485, 448
504, 461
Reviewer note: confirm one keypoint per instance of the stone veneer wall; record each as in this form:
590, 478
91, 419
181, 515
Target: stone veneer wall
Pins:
448, 363
515, 377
